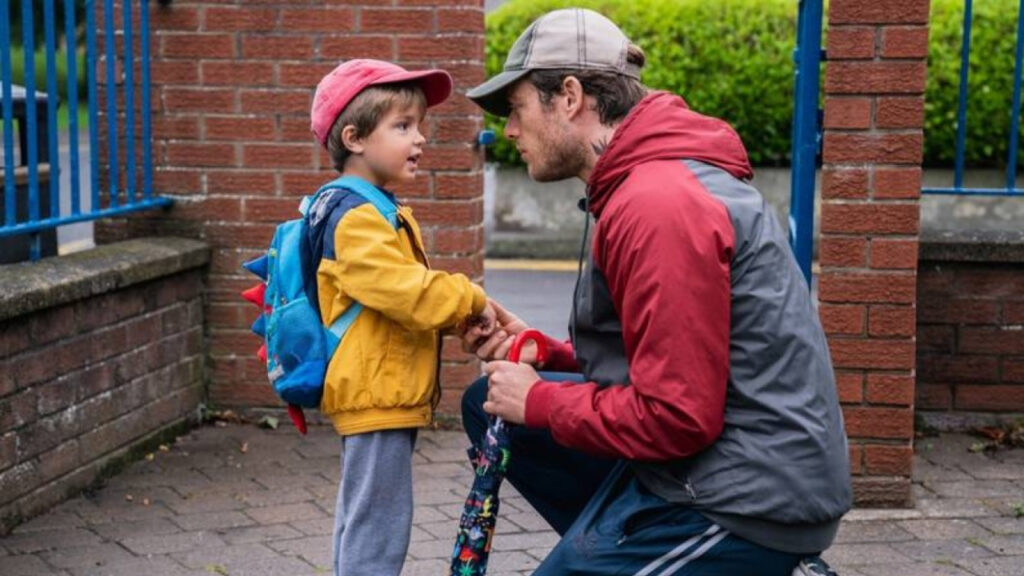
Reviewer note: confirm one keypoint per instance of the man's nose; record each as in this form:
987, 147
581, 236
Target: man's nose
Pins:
511, 129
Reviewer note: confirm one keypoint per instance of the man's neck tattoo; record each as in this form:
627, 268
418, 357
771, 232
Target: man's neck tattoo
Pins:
600, 146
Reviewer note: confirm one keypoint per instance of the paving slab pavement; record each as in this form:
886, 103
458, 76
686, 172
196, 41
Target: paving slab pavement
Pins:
243, 501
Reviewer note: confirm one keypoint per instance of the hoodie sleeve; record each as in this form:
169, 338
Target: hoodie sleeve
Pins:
665, 252
561, 357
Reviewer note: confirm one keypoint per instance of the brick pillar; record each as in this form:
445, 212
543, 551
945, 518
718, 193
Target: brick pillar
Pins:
874, 113
232, 87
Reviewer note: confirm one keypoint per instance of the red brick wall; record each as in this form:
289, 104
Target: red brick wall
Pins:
970, 328
84, 380
874, 85
232, 87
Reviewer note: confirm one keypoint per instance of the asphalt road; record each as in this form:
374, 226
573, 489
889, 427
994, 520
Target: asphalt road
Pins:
542, 298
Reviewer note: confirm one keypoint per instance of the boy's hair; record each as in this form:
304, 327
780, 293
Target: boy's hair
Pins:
365, 112
616, 94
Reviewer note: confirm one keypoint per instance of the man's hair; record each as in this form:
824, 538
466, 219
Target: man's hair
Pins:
616, 94
365, 112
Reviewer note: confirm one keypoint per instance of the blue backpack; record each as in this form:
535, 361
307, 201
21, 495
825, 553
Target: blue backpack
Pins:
297, 346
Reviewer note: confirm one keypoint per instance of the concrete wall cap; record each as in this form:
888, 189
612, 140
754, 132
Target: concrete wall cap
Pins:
1006, 246
32, 286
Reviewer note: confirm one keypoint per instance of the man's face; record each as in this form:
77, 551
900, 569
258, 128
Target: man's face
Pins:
543, 135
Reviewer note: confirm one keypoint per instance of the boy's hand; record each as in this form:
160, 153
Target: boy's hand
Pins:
487, 320
496, 344
482, 324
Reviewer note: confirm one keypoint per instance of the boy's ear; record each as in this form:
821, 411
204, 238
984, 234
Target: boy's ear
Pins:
349, 140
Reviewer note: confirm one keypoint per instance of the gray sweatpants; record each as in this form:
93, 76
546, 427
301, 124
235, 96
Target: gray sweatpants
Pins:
374, 513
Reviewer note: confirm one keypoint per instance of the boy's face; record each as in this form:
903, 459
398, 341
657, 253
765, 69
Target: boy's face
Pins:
392, 151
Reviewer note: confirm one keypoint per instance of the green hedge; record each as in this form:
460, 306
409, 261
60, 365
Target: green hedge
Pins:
61, 67
728, 58
993, 43
733, 59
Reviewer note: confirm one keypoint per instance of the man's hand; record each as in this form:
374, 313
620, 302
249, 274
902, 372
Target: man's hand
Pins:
495, 345
507, 389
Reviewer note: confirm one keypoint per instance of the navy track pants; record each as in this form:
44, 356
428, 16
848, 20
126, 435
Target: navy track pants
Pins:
609, 523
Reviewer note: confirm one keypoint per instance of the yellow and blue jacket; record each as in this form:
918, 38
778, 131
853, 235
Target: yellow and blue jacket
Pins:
384, 374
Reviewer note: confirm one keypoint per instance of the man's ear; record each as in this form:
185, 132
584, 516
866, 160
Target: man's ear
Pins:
349, 140
574, 98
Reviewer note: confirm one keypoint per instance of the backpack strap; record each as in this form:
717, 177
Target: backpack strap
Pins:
342, 324
382, 203
372, 194
368, 191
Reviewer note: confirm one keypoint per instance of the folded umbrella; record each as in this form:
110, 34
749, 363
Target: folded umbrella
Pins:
490, 462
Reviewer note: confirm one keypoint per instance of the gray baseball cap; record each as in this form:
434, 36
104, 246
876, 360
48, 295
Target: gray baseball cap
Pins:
573, 38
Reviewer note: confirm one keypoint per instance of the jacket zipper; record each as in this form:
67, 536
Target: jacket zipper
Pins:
435, 397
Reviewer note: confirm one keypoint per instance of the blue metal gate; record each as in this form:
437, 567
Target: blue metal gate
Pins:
37, 119
806, 135
1010, 188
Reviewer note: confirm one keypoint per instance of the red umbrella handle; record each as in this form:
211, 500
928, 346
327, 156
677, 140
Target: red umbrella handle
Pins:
522, 338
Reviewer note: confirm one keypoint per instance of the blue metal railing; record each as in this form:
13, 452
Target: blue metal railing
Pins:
961, 119
806, 136
24, 176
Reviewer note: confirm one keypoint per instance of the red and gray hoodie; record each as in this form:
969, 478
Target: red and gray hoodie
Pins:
706, 363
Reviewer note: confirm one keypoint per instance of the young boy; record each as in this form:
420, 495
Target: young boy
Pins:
383, 381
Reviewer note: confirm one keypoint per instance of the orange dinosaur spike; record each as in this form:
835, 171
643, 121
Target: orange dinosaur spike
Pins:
262, 353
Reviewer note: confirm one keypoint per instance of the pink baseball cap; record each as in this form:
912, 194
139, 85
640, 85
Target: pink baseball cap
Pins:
338, 88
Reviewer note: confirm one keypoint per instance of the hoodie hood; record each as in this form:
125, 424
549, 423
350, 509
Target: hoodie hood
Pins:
661, 127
